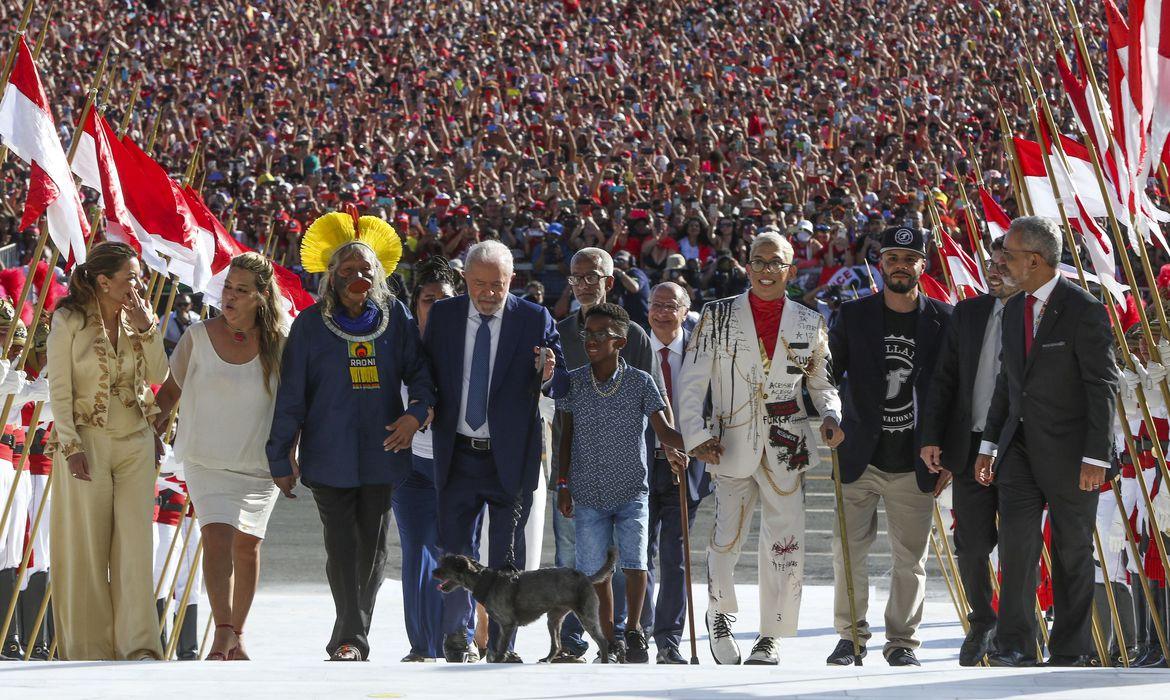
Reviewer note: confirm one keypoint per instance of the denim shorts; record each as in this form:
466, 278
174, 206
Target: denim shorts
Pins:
627, 525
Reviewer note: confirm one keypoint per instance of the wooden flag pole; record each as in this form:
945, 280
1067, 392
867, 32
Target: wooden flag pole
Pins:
10, 60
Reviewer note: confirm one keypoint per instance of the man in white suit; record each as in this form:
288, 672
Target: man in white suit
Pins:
755, 351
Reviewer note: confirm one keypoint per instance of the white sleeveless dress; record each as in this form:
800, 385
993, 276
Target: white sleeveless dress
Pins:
225, 414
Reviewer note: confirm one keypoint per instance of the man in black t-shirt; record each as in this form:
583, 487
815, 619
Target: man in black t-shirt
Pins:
884, 348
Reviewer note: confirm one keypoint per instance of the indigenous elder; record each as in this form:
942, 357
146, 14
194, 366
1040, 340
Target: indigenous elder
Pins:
105, 351
415, 502
1048, 441
493, 355
343, 364
884, 350
221, 443
756, 352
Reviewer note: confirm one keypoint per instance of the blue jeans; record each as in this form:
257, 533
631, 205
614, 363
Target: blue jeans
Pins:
597, 528
572, 634
415, 511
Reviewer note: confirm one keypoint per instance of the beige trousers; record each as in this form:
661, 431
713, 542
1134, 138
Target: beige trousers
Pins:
102, 551
908, 516
780, 560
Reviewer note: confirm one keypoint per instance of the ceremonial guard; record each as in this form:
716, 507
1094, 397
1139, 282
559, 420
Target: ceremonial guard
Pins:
754, 354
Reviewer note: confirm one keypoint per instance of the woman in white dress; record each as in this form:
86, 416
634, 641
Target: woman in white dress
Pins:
224, 374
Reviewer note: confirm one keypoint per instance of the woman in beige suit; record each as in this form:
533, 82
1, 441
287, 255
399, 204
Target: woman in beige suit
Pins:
104, 353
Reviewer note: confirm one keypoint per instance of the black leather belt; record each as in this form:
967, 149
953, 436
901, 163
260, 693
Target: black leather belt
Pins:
472, 443
660, 453
8, 440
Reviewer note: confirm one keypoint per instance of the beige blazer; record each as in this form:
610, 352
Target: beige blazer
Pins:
756, 409
79, 356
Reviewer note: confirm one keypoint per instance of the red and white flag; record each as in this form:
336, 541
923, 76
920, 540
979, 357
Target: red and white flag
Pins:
167, 218
1080, 172
997, 219
965, 272
98, 162
27, 128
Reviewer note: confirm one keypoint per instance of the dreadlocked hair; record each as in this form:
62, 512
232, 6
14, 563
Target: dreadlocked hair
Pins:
435, 269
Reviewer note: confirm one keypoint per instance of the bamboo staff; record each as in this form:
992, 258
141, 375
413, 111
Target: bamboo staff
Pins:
1112, 600
848, 564
181, 613
1131, 538
10, 612
162, 618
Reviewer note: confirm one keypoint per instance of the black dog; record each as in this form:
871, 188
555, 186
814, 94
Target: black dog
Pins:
516, 599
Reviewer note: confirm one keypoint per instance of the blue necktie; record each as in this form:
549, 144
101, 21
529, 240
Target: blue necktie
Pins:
477, 389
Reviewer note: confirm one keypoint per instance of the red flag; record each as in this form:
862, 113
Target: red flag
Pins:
931, 287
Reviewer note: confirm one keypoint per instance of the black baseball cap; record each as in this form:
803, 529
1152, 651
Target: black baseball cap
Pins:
904, 238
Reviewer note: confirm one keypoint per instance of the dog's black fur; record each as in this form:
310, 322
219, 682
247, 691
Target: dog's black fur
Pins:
515, 599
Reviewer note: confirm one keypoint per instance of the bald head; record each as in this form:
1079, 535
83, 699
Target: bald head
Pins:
669, 304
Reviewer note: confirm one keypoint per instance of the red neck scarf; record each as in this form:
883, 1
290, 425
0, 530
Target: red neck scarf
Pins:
766, 315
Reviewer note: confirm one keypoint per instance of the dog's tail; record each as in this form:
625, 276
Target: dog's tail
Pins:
603, 574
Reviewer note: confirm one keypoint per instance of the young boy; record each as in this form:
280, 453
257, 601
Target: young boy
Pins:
603, 459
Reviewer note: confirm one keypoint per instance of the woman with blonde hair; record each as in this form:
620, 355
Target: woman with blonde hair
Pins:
220, 442
104, 352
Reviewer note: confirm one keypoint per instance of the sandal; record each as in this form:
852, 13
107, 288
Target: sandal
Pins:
220, 655
238, 653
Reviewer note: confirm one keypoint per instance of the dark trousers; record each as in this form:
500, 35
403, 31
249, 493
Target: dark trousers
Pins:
416, 513
1028, 482
357, 526
975, 536
666, 616
471, 484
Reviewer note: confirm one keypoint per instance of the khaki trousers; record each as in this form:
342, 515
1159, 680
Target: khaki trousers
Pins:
780, 560
102, 550
908, 516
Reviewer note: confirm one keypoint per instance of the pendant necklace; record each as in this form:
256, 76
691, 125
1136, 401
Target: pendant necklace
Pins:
237, 335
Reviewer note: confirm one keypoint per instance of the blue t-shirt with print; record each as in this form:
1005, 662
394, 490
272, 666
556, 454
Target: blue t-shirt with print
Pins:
608, 464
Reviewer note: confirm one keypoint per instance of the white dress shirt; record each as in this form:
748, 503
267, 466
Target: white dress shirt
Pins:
473, 323
676, 357
1039, 306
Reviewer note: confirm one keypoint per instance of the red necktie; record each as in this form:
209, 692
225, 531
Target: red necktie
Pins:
1029, 323
665, 354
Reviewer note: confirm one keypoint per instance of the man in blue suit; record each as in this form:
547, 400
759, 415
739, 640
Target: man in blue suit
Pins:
492, 355
669, 304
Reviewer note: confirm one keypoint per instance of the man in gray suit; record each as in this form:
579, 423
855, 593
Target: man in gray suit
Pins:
1051, 421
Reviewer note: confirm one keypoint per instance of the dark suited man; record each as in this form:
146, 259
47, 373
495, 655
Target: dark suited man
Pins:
884, 349
485, 347
669, 304
591, 278
1051, 420
952, 429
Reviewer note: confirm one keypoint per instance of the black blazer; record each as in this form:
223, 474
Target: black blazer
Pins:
947, 419
857, 343
1063, 391
698, 480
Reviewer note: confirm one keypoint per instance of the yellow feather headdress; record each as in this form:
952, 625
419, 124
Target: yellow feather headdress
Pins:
333, 230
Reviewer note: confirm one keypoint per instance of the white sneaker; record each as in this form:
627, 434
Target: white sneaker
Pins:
764, 653
723, 645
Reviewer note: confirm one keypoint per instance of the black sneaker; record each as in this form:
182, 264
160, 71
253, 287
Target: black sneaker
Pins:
456, 650
901, 656
843, 654
637, 650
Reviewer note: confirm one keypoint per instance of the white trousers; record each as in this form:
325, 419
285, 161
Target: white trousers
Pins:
780, 558
534, 528
12, 541
163, 534
40, 542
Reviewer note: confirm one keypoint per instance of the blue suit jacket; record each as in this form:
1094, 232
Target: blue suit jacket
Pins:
513, 416
342, 428
857, 344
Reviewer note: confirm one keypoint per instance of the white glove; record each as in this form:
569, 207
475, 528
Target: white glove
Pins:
1115, 539
1161, 503
1163, 352
1152, 381
36, 390
1130, 381
13, 382
5, 368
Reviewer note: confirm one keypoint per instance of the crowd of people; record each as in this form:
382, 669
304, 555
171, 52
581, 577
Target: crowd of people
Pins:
673, 188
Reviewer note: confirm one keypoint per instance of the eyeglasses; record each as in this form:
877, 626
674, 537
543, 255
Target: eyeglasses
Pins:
669, 308
1008, 253
600, 336
591, 278
759, 265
